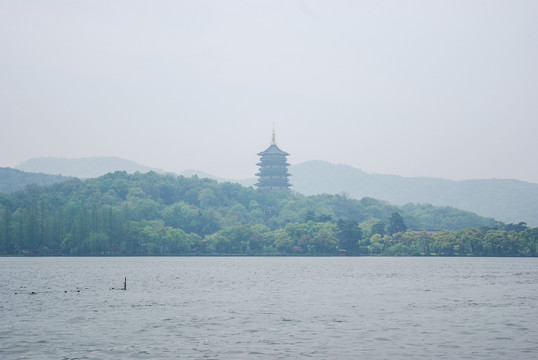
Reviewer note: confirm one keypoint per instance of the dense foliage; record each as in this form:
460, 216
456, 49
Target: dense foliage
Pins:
152, 214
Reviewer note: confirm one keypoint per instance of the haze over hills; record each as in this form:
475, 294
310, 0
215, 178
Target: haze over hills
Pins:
12, 180
202, 174
92, 167
83, 168
506, 200
510, 201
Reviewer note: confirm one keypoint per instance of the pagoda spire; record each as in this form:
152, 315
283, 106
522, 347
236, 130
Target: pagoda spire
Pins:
273, 142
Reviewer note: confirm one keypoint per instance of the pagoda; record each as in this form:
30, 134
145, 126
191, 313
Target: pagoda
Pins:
273, 165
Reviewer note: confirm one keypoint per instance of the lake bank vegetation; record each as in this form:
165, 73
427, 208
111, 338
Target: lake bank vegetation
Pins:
153, 214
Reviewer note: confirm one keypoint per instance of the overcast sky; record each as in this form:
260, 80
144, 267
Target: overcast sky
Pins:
414, 88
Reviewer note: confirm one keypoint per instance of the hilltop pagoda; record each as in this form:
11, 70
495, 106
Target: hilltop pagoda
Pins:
273, 165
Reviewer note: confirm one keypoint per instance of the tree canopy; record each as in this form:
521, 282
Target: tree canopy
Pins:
153, 214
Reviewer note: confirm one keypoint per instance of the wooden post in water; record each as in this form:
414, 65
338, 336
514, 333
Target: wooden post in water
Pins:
125, 284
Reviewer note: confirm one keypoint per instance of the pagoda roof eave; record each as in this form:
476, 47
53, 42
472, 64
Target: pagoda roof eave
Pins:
273, 150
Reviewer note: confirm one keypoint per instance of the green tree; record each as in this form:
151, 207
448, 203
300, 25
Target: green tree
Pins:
98, 243
6, 245
472, 239
529, 241
447, 243
32, 234
424, 241
378, 244
378, 228
498, 242
206, 198
178, 242
396, 224
325, 239
258, 239
283, 241
349, 234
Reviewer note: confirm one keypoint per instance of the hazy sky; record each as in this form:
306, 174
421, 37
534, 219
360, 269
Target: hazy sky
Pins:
415, 88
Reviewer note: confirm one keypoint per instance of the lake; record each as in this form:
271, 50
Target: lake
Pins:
268, 308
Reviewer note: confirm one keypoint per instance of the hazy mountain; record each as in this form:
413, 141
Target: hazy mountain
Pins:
84, 167
13, 180
201, 174
505, 200
510, 201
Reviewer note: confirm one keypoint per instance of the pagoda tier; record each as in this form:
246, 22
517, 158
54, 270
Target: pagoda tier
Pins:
273, 173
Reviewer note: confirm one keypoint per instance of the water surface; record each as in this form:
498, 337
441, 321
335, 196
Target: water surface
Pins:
268, 308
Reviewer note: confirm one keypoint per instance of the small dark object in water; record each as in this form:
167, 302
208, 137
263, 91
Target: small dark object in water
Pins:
33, 293
125, 284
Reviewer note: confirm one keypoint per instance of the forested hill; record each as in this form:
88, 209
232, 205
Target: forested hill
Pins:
13, 180
122, 213
504, 199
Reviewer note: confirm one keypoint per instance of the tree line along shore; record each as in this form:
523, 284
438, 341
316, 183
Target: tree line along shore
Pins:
152, 214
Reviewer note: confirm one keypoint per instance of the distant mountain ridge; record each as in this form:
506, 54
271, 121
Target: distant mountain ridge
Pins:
510, 201
12, 180
201, 174
83, 168
504, 199
507, 200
